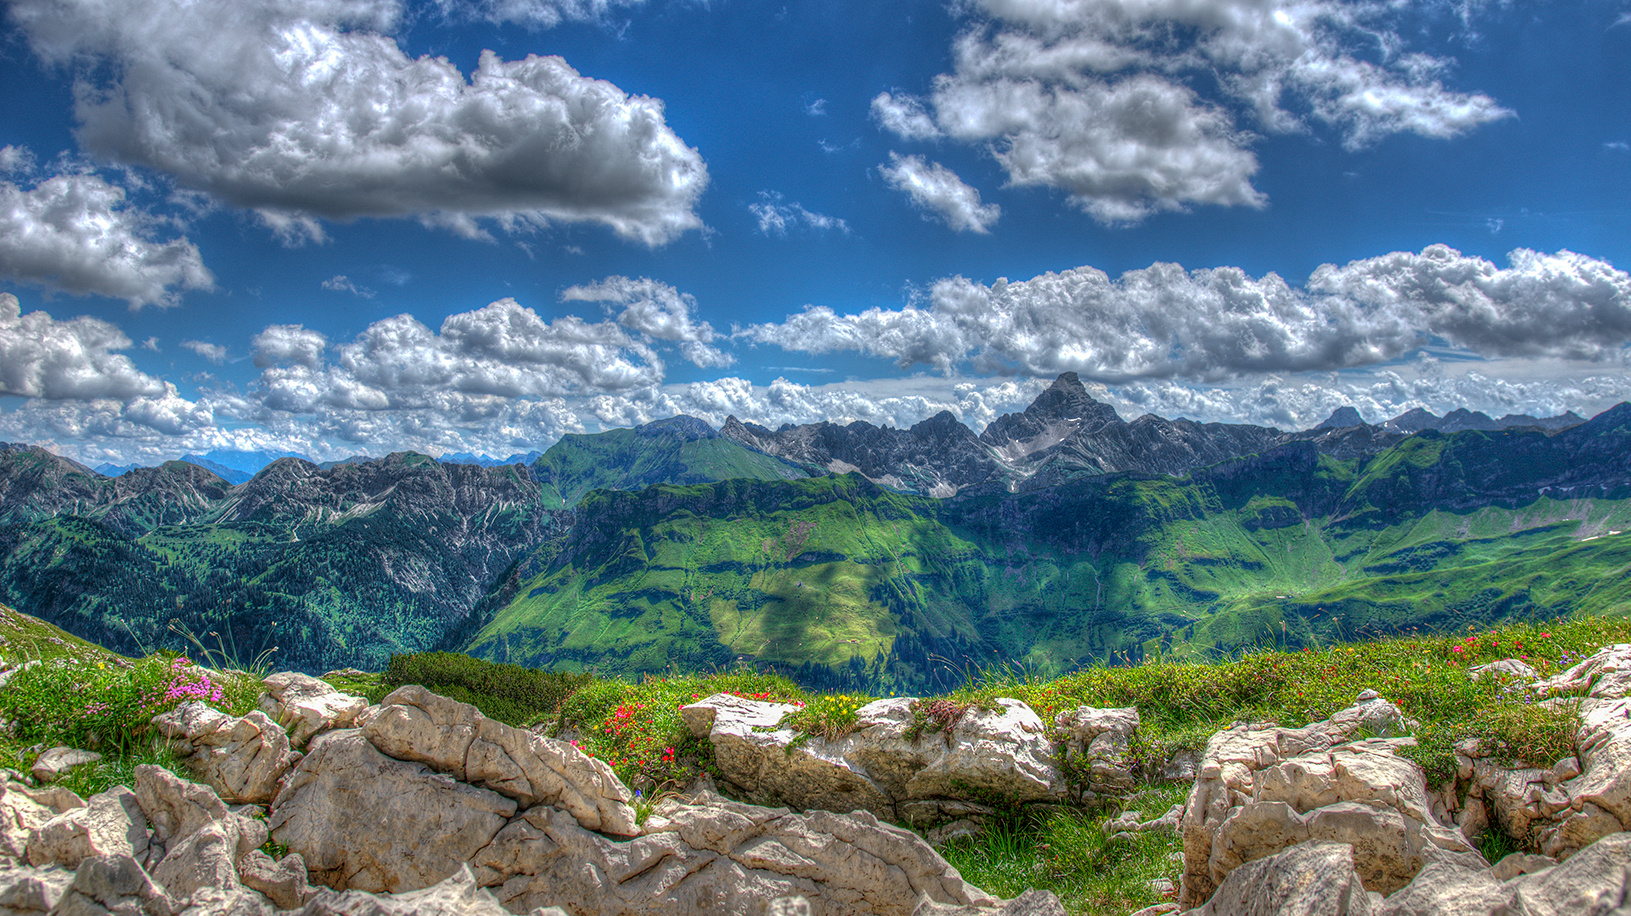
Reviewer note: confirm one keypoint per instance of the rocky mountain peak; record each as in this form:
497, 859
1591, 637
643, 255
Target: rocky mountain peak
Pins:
1341, 418
682, 427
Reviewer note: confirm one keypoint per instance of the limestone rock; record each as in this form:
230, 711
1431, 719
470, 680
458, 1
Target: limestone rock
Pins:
58, 798
455, 738
1507, 669
457, 895
1262, 789
114, 885
26, 890
204, 858
177, 809
767, 762
306, 706
365, 821
885, 766
1031, 903
711, 855
111, 824
1605, 675
243, 759
1308, 879
20, 816
1097, 743
236, 901
52, 764
1445, 889
283, 881
1595, 881
1005, 752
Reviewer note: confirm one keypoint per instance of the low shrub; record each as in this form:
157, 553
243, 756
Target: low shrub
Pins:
508, 693
109, 708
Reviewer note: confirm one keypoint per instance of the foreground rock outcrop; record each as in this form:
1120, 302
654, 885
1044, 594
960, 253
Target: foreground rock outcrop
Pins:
426, 806
422, 805
1262, 789
909, 764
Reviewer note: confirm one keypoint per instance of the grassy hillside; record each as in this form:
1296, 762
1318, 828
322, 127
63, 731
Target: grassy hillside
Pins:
841, 583
678, 451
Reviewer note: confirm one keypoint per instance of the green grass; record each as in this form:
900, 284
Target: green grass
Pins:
1070, 854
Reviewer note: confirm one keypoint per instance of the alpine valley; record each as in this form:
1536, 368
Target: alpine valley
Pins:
845, 556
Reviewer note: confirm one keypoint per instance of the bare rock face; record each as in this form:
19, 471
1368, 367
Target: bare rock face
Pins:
283, 881
458, 895
1592, 883
454, 738
243, 759
20, 816
1564, 806
198, 841
111, 824
51, 765
1097, 744
25, 891
766, 760
710, 855
306, 706
370, 822
888, 766
1307, 879
1263, 789
114, 884
1605, 675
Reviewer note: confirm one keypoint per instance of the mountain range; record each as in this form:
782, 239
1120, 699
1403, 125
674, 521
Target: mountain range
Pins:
843, 554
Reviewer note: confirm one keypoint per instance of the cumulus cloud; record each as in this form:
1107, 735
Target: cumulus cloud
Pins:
215, 353
476, 359
938, 191
76, 232
41, 357
881, 402
302, 109
1163, 321
539, 14
1295, 404
289, 343
776, 217
340, 283
1128, 105
657, 311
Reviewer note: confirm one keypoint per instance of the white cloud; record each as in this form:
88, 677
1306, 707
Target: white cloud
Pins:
302, 109
541, 14
1127, 105
340, 283
215, 353
75, 232
904, 116
1296, 404
41, 357
289, 343
937, 190
776, 217
882, 402
816, 108
1163, 321
475, 360
657, 311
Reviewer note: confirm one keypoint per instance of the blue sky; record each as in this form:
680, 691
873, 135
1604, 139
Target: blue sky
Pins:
355, 226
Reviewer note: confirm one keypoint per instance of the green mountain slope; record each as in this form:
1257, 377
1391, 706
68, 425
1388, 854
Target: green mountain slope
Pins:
679, 450
840, 581
333, 567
